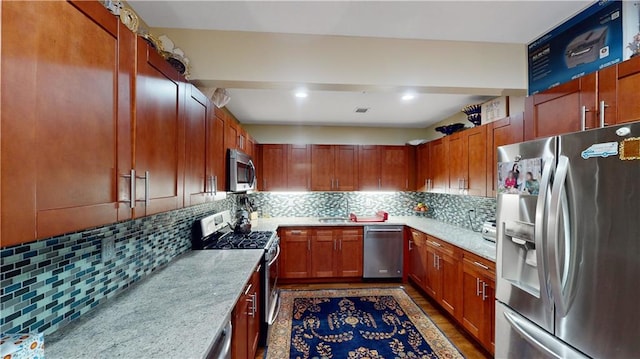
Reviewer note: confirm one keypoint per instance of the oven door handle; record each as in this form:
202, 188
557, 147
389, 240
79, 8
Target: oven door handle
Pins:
276, 257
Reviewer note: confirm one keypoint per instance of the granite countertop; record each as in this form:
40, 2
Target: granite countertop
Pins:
458, 236
176, 312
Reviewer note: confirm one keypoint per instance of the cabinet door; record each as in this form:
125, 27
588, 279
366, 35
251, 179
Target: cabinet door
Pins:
478, 292
231, 133
628, 84
322, 167
62, 118
607, 96
438, 153
417, 258
296, 249
274, 175
457, 163
562, 109
253, 313
448, 267
423, 176
394, 168
159, 133
240, 329
475, 182
324, 259
195, 179
499, 133
433, 279
346, 168
369, 168
350, 251
217, 152
473, 307
299, 167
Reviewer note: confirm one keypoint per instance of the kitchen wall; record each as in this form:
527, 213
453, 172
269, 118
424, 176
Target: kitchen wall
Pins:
451, 209
337, 135
48, 283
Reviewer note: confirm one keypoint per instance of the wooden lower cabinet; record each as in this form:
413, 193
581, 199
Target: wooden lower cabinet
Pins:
246, 320
478, 299
321, 252
462, 283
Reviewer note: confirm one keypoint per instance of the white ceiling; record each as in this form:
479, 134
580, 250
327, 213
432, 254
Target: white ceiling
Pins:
483, 21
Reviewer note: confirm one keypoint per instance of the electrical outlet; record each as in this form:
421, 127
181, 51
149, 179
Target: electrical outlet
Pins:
108, 251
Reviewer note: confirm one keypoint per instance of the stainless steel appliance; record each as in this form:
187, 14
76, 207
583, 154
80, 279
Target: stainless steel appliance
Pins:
489, 230
241, 173
221, 348
214, 232
383, 247
568, 245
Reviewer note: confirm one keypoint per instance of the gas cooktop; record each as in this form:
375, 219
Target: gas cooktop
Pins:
251, 240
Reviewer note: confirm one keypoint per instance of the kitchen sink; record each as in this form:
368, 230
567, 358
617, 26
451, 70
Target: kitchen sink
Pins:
333, 220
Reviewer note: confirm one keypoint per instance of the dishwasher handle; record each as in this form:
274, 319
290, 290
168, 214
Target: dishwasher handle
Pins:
385, 230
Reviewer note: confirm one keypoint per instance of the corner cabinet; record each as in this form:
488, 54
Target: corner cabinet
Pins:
66, 129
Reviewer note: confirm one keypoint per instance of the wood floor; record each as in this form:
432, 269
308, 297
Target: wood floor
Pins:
460, 339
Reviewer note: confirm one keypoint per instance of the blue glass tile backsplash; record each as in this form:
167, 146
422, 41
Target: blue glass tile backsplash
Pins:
50, 282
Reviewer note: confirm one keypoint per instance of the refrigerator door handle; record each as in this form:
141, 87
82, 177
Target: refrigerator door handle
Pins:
561, 278
540, 231
541, 340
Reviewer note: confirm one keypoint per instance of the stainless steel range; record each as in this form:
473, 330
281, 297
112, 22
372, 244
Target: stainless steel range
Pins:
214, 232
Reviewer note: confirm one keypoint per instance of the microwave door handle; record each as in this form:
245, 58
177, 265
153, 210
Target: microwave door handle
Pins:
251, 170
540, 230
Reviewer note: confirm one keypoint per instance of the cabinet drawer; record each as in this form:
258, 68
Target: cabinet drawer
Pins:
479, 264
440, 245
295, 232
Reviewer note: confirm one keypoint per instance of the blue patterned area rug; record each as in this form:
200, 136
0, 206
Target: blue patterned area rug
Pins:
369, 323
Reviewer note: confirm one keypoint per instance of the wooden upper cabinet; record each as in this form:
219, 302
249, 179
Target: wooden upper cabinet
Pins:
197, 115
475, 155
423, 174
333, 168
619, 93
159, 133
217, 150
231, 133
439, 168
274, 164
298, 167
394, 168
369, 167
505, 131
65, 130
457, 163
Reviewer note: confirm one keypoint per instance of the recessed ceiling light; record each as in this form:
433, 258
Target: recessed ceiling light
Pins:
301, 94
408, 97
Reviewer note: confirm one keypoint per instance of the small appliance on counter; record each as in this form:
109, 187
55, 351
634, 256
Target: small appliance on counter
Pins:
489, 230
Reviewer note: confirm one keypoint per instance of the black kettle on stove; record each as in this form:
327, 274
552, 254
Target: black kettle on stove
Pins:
243, 224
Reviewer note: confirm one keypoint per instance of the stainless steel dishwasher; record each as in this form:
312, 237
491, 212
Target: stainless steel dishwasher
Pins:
383, 247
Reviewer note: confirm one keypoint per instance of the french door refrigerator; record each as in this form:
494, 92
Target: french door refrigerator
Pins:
568, 246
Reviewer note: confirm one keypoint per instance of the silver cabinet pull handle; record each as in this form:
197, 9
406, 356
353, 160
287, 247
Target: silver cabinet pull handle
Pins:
484, 291
340, 244
435, 244
248, 288
430, 182
147, 195
296, 233
410, 247
308, 245
477, 287
337, 183
603, 106
132, 188
481, 265
215, 185
332, 183
583, 117
379, 183
335, 248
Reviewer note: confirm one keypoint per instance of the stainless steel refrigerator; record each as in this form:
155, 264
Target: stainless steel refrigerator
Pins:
568, 246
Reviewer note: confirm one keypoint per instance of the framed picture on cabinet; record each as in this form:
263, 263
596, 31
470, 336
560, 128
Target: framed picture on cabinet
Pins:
495, 109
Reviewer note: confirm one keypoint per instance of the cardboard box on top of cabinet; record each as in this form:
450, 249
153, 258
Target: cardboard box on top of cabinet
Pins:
595, 38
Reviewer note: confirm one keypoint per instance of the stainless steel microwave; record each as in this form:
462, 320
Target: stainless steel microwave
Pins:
242, 172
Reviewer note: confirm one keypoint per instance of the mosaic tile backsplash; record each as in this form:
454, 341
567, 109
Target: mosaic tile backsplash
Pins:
48, 283
464, 211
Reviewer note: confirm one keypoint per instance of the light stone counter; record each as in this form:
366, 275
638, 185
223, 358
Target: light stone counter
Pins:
176, 312
458, 236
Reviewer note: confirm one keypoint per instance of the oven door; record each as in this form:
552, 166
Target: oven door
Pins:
272, 302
